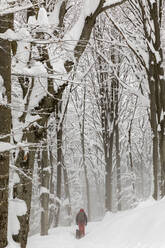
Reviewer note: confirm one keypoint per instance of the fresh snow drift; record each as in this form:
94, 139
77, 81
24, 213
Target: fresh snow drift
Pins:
142, 227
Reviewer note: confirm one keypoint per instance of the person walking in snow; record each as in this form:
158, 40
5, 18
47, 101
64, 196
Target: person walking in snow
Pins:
81, 221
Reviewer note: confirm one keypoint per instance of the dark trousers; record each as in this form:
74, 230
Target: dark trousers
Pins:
81, 229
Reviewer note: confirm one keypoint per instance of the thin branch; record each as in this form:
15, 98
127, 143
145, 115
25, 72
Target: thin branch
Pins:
128, 43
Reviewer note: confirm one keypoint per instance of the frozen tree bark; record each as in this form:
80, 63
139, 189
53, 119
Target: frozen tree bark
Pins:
5, 124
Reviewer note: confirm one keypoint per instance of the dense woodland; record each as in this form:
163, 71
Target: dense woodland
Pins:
82, 110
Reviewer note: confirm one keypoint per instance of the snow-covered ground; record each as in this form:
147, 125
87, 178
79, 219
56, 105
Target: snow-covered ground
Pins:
142, 227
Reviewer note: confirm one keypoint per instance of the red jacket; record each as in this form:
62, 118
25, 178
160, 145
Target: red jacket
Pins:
81, 217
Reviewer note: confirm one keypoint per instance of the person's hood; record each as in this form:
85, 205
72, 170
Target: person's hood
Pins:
81, 210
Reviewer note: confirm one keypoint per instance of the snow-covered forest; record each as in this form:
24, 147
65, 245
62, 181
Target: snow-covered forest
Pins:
82, 119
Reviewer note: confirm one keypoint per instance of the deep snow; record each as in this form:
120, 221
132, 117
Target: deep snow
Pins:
142, 227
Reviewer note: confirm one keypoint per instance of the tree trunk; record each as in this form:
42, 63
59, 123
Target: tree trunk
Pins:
52, 192
154, 124
23, 190
82, 126
117, 145
119, 188
67, 194
5, 124
45, 178
59, 159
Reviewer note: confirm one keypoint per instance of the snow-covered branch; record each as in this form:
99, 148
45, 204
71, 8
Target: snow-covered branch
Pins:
6, 9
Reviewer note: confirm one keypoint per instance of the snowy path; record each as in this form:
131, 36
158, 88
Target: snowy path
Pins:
142, 227
63, 237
